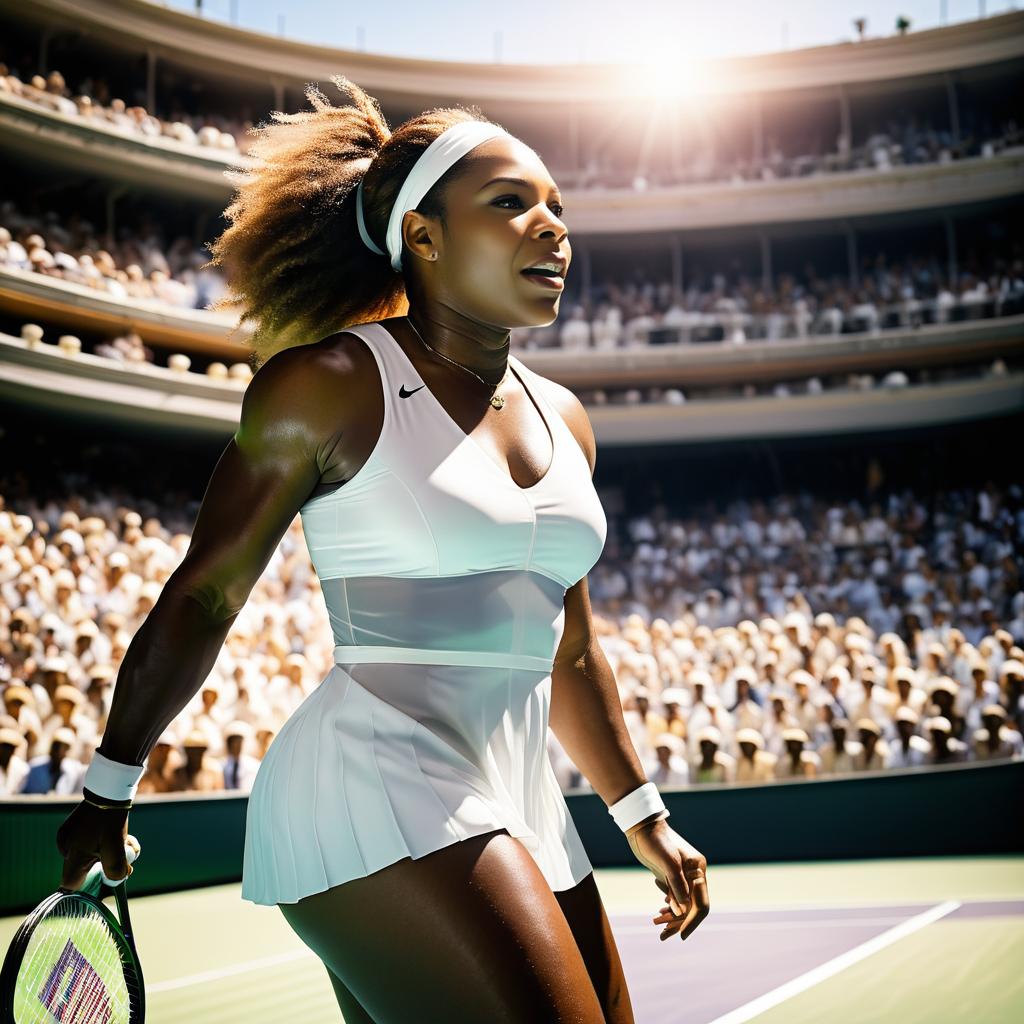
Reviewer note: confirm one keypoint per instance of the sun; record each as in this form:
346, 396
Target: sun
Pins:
669, 72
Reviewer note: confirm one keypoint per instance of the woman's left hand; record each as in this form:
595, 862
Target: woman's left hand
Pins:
680, 872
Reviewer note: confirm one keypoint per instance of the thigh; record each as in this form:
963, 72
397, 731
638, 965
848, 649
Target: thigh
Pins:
352, 1011
586, 915
468, 933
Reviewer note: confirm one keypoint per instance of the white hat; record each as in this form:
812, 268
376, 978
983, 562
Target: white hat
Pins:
11, 736
670, 740
709, 732
801, 677
749, 735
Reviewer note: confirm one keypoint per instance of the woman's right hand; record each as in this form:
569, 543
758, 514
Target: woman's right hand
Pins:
90, 834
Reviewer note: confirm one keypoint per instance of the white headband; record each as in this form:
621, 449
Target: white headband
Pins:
450, 146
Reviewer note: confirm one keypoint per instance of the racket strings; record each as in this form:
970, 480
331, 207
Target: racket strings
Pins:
73, 971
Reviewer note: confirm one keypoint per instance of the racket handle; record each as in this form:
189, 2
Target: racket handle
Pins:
131, 851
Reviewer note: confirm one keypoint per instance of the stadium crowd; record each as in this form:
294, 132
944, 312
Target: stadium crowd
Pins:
92, 101
898, 142
892, 294
888, 143
138, 265
144, 266
795, 637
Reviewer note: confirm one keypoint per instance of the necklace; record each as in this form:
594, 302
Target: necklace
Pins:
497, 400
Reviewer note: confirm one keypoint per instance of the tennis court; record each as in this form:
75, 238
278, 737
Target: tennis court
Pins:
936, 940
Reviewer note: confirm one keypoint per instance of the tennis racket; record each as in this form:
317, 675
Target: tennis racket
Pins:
72, 962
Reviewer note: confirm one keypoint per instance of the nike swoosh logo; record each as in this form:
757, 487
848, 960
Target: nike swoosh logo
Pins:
402, 393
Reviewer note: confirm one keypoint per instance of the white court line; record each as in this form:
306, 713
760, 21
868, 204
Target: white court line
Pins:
227, 972
835, 965
283, 958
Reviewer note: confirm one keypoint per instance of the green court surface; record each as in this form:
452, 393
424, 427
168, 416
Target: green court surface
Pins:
936, 940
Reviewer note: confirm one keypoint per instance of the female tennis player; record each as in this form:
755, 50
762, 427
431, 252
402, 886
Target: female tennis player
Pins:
406, 818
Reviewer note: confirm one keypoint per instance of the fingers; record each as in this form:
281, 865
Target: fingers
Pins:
700, 907
115, 860
679, 897
76, 866
683, 918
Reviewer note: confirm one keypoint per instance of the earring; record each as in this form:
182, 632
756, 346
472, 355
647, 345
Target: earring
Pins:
433, 255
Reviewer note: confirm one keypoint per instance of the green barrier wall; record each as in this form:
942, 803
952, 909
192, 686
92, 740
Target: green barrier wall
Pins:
193, 840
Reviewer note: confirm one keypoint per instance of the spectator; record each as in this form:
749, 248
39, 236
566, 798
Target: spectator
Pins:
239, 768
199, 773
713, 764
840, 755
755, 764
995, 739
874, 750
908, 750
13, 767
54, 772
946, 748
670, 767
797, 762
157, 778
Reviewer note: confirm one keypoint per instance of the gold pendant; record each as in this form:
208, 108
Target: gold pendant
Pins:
497, 401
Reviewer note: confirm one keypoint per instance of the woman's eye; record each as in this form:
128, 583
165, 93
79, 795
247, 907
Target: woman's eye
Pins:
557, 207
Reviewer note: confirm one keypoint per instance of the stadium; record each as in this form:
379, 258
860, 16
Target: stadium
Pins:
795, 321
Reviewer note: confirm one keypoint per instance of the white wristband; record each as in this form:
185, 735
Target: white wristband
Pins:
112, 779
635, 806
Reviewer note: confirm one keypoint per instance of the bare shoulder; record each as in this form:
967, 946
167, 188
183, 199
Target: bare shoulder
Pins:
308, 394
574, 413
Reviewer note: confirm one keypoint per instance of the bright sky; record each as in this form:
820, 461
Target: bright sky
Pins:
567, 31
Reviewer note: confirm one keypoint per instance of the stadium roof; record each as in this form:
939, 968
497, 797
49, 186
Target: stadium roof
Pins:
216, 48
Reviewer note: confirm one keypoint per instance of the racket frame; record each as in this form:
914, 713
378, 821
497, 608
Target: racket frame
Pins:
121, 931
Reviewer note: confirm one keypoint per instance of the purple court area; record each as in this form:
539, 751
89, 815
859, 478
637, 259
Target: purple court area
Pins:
736, 956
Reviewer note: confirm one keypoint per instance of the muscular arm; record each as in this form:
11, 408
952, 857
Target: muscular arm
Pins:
266, 472
586, 713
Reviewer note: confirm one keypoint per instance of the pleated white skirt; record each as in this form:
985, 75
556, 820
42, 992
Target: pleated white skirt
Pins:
412, 759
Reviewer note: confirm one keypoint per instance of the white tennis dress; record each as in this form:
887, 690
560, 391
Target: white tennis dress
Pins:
444, 582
